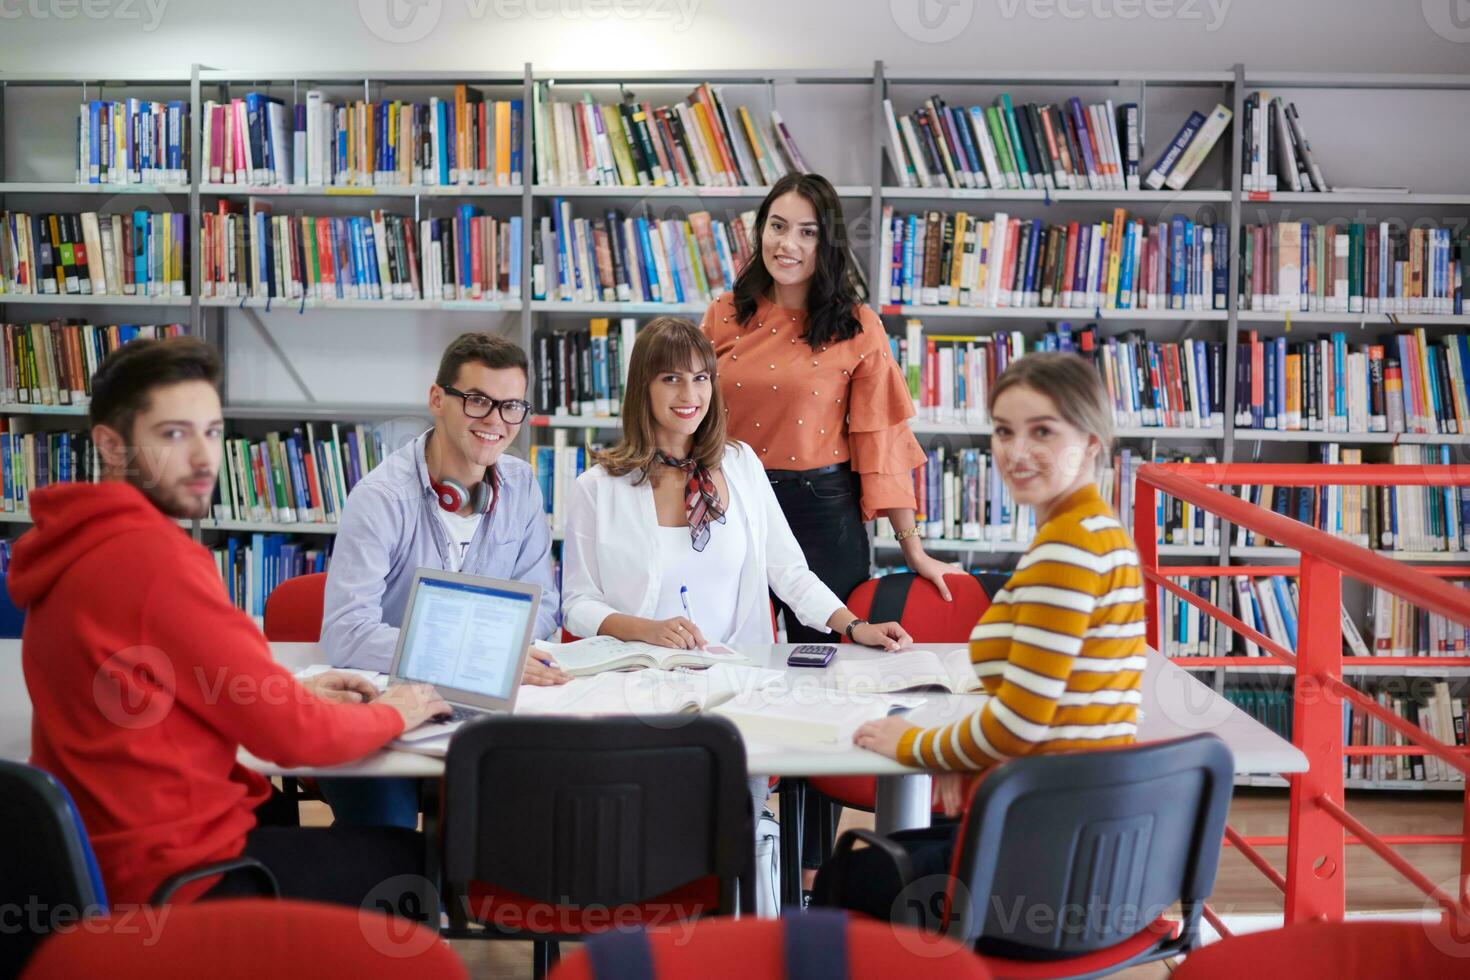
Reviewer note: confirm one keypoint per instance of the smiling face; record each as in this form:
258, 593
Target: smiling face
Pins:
1041, 457
174, 451
679, 401
790, 239
473, 444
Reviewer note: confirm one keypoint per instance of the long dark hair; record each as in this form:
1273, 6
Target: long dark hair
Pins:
666, 343
837, 286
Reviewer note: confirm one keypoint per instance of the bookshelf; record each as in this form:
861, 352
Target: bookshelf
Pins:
386, 348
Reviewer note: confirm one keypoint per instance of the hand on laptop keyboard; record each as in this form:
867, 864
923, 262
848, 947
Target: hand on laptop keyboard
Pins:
416, 703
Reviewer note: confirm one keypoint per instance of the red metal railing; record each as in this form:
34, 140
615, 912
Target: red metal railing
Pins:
1314, 882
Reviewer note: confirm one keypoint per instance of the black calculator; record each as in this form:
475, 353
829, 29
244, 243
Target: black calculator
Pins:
812, 655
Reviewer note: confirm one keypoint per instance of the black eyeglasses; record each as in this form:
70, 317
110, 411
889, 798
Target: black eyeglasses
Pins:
513, 411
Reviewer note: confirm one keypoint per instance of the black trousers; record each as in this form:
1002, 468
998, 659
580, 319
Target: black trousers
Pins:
827, 520
870, 884
374, 867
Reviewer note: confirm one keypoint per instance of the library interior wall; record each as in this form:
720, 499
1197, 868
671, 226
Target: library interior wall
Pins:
391, 356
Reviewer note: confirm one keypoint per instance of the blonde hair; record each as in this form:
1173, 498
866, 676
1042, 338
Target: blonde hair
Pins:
1073, 385
666, 343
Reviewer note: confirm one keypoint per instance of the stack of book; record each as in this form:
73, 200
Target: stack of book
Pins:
1007, 146
259, 141
253, 567
379, 256
581, 372
1267, 604
87, 254
1435, 710
1352, 268
614, 258
132, 141
30, 460
1404, 518
295, 477
1150, 383
1401, 383
1275, 152
700, 142
1178, 521
557, 467
53, 363
939, 259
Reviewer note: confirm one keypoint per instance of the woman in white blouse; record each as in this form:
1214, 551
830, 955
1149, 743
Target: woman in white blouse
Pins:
674, 537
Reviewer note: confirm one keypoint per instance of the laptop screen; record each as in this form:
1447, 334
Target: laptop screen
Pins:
465, 637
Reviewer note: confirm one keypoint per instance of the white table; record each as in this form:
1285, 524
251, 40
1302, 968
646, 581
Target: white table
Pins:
1174, 704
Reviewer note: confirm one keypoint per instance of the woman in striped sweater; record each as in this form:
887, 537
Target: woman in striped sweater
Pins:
1060, 651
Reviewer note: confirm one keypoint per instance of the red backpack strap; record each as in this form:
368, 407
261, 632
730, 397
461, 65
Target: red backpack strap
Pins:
618, 955
815, 944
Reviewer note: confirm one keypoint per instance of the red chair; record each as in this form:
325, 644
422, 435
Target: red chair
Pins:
730, 949
916, 604
284, 940
293, 610
1380, 950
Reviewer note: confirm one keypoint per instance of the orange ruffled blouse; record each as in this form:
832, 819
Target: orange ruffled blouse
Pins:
800, 408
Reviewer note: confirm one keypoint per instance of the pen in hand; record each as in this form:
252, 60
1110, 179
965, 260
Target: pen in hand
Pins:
684, 601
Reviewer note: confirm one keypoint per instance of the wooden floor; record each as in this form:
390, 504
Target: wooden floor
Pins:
1239, 889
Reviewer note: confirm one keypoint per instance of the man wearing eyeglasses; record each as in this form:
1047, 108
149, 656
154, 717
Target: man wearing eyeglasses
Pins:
448, 500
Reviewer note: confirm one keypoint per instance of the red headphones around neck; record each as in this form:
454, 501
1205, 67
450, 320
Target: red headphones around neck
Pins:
453, 495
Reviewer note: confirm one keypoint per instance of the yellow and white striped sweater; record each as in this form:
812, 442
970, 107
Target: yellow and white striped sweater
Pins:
1060, 650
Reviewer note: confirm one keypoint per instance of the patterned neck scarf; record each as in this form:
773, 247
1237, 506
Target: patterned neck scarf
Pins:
701, 499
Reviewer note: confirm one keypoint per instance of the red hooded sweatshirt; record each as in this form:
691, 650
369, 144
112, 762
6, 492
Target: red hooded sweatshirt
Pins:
146, 681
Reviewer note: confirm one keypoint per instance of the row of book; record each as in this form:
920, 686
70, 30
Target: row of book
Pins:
1402, 629
1352, 268
1401, 518
53, 363
940, 259
1437, 712
380, 256
960, 496
87, 254
252, 567
614, 258
1402, 382
557, 467
132, 141
258, 141
582, 372
1275, 152
31, 460
297, 476
700, 142
1149, 383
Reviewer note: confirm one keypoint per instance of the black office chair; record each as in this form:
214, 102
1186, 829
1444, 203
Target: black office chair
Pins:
47, 864
1065, 864
558, 828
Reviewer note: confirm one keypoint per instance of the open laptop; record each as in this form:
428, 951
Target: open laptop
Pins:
469, 637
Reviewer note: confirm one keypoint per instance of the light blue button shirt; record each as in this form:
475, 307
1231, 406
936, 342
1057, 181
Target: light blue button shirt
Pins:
389, 530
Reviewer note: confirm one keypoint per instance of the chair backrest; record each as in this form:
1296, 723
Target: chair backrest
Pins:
12, 617
1062, 855
735, 949
608, 811
1381, 950
280, 939
293, 610
916, 604
46, 861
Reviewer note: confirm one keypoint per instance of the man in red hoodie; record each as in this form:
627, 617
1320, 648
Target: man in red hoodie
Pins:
146, 680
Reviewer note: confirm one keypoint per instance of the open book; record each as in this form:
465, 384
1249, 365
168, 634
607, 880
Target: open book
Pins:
596, 654
815, 716
912, 670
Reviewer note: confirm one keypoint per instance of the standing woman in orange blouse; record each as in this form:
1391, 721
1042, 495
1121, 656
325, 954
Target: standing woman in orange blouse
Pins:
810, 385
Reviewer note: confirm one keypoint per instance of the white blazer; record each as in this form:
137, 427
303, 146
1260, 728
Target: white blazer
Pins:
610, 564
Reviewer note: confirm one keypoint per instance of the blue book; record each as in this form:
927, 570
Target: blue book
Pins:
909, 238
232, 562
515, 256
655, 288
1176, 263
1280, 347
1191, 262
960, 125
446, 145
1206, 392
1286, 607
466, 217
1339, 380
1175, 149
140, 252
516, 156
1124, 298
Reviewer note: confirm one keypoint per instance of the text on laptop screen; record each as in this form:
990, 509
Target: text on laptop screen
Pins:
465, 637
